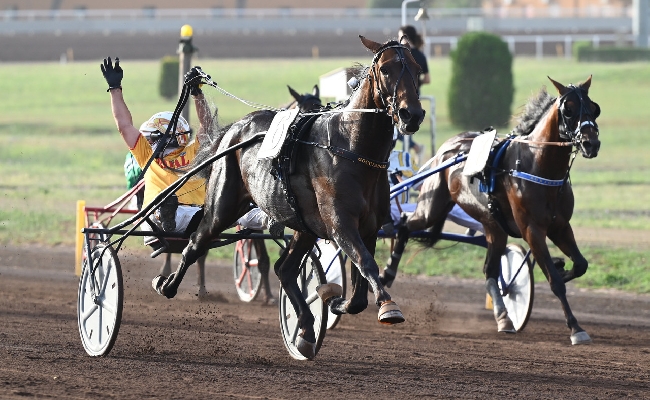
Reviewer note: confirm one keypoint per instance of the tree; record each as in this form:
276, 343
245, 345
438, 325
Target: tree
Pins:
481, 88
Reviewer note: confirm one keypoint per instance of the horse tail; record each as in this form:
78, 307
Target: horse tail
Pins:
207, 147
434, 234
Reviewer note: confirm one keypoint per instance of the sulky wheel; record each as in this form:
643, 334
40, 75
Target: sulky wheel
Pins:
517, 273
334, 267
99, 301
311, 277
248, 278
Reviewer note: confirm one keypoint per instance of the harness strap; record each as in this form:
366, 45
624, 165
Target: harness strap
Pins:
536, 179
383, 165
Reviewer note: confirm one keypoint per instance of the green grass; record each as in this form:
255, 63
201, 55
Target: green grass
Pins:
58, 144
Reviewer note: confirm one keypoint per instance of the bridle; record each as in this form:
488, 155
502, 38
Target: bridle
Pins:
569, 137
390, 107
567, 117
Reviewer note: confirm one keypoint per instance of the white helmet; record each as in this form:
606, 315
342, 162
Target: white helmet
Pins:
157, 125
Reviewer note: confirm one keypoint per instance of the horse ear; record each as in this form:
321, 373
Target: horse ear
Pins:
316, 91
586, 84
294, 93
405, 41
370, 45
560, 87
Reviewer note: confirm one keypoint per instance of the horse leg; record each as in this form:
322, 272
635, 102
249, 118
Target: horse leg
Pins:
288, 269
166, 268
492, 271
357, 303
361, 253
390, 271
563, 238
200, 281
537, 241
264, 265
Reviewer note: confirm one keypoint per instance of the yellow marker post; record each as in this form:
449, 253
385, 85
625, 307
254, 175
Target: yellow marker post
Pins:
79, 237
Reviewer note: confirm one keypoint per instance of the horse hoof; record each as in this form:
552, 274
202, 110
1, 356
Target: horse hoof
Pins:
271, 301
202, 294
157, 284
306, 348
329, 290
504, 323
389, 313
580, 338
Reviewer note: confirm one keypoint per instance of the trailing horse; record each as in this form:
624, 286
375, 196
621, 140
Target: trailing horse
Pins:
329, 181
523, 191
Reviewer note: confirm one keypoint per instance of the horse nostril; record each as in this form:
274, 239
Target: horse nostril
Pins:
404, 115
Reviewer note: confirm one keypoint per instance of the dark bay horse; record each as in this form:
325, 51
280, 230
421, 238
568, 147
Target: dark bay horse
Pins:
305, 102
336, 186
532, 197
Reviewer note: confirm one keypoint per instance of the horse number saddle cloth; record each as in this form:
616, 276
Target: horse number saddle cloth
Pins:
479, 153
277, 134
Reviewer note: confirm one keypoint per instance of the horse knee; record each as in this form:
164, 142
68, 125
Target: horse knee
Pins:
580, 267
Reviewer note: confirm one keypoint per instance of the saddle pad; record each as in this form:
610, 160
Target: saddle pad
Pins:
479, 153
277, 134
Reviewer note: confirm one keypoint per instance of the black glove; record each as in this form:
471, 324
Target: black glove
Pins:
113, 75
192, 78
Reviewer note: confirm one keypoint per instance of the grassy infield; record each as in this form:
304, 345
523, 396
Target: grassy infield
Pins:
58, 144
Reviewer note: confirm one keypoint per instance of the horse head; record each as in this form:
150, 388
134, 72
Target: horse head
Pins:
577, 115
308, 101
394, 73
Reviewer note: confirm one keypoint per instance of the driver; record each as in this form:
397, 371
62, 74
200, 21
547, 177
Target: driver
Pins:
182, 211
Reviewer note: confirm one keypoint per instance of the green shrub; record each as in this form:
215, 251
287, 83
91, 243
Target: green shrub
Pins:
585, 52
481, 88
168, 84
578, 47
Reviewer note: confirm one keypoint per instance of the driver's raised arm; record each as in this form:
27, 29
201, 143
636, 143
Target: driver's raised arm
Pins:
206, 120
121, 113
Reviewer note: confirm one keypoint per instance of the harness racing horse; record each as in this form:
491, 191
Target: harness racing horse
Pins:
531, 197
334, 185
305, 102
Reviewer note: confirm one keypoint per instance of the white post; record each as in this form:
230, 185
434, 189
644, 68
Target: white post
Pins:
539, 47
404, 3
567, 47
185, 50
511, 44
640, 22
432, 120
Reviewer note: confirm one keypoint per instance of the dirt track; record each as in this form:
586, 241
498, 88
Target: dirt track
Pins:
223, 348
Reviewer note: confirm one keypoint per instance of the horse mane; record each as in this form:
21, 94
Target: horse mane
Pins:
533, 112
207, 148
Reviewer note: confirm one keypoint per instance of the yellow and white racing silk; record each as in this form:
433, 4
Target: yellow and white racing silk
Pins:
162, 173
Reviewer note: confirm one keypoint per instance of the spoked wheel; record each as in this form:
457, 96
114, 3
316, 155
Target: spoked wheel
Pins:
311, 277
248, 278
518, 276
334, 268
99, 301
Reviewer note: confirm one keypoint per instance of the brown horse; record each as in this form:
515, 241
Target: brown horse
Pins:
334, 185
531, 196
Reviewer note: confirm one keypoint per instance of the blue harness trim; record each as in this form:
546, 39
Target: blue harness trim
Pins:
495, 163
537, 179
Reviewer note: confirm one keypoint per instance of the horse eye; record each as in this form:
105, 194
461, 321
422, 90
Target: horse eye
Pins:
383, 70
566, 112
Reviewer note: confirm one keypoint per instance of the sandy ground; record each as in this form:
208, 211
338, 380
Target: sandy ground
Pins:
224, 348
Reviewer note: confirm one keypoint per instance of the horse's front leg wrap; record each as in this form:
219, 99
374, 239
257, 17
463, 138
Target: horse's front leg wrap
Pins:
504, 323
